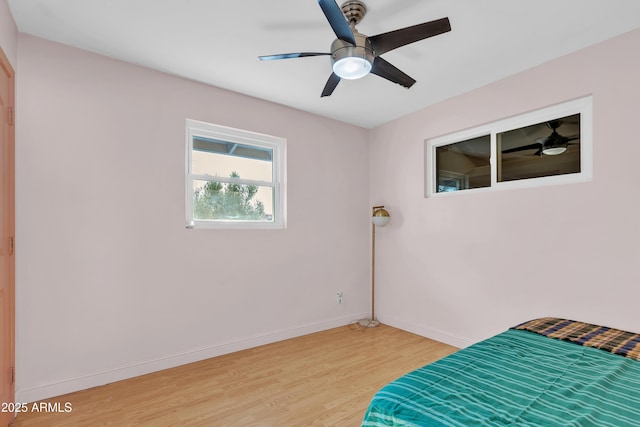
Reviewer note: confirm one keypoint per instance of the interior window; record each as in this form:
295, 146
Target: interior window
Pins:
543, 149
463, 165
549, 146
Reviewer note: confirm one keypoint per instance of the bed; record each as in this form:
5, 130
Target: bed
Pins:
544, 372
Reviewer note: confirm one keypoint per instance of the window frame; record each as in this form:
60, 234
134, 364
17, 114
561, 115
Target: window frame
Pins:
582, 106
195, 128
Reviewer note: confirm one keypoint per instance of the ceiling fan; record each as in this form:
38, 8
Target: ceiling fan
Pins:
354, 55
551, 145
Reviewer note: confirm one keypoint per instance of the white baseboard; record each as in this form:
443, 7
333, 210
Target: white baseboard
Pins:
432, 333
68, 385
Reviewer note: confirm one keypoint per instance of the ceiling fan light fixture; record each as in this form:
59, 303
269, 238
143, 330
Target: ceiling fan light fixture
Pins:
554, 151
352, 67
352, 62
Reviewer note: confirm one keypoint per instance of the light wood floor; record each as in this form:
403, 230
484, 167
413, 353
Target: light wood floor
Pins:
322, 379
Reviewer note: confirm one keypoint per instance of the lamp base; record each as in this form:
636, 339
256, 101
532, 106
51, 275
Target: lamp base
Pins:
368, 323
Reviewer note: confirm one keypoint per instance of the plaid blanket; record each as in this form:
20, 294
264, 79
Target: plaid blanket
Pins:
615, 341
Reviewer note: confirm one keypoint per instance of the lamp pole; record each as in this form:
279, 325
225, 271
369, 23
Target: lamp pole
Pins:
373, 264
379, 217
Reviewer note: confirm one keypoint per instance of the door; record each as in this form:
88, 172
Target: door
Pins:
7, 271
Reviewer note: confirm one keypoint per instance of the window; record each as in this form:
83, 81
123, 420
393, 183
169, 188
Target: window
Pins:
549, 146
463, 165
235, 178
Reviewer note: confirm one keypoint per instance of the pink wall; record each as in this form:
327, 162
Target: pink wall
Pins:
110, 283
462, 268
8, 33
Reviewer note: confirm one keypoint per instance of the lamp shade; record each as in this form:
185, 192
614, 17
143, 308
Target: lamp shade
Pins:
381, 217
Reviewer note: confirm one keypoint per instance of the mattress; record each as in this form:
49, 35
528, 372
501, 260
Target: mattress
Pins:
520, 377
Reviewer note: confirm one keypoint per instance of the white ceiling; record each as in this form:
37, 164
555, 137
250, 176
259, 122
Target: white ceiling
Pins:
218, 43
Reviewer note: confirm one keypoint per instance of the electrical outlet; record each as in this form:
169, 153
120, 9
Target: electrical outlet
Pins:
338, 297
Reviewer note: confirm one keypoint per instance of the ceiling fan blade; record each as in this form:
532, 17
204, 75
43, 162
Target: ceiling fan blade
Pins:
337, 20
385, 70
385, 42
291, 55
331, 85
524, 147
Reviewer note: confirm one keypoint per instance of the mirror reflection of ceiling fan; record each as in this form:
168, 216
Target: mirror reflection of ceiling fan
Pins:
354, 55
551, 145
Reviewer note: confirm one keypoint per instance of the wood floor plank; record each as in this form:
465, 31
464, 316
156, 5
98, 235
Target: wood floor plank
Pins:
321, 379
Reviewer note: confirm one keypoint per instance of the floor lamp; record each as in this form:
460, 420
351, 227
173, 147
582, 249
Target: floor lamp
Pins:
379, 218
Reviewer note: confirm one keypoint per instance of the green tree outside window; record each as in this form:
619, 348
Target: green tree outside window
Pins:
216, 200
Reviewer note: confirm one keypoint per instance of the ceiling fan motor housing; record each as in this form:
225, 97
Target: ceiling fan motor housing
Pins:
354, 11
341, 50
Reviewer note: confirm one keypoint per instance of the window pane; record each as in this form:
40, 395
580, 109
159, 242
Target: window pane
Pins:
464, 165
219, 158
236, 202
544, 149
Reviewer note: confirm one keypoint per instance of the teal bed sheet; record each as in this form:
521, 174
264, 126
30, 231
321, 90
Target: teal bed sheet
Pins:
516, 378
